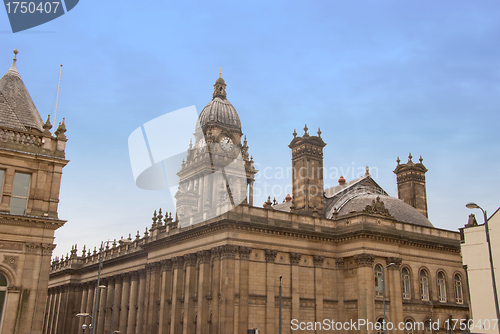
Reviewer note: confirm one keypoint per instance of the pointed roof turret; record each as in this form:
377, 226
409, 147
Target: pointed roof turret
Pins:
17, 110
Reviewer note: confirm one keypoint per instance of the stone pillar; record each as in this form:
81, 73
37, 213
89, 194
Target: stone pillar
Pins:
74, 301
216, 282
109, 304
54, 310
295, 286
154, 297
244, 285
175, 321
203, 291
165, 296
103, 293
270, 291
132, 312
83, 307
318, 286
147, 301
189, 293
366, 289
339, 266
124, 304
63, 310
115, 309
228, 255
250, 195
90, 301
393, 290
140, 302
48, 314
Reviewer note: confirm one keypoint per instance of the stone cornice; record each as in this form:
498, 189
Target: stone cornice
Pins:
31, 221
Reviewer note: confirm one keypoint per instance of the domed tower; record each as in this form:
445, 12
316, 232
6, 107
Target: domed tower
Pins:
218, 173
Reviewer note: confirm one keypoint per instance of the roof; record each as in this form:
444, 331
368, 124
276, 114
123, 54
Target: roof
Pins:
220, 112
397, 208
17, 110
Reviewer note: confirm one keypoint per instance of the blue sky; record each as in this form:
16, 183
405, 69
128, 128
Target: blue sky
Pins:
381, 79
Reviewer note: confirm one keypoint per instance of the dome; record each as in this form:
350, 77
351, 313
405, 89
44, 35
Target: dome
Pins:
220, 81
221, 112
397, 208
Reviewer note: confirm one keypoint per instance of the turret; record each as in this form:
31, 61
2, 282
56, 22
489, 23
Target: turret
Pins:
411, 184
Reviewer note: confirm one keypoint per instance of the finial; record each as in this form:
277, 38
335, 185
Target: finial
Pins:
16, 51
190, 143
420, 158
220, 72
397, 160
319, 132
305, 129
294, 133
367, 170
410, 157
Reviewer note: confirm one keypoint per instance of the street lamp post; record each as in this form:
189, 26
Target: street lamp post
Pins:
383, 292
84, 326
112, 306
487, 230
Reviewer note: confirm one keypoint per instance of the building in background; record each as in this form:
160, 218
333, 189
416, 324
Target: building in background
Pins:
215, 266
476, 261
31, 163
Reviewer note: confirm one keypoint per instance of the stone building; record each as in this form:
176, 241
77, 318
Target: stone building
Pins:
216, 265
31, 163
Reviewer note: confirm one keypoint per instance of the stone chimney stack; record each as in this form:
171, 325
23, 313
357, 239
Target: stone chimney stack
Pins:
411, 184
307, 177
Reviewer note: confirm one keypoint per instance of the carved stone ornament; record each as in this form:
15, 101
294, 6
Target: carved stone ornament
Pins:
228, 251
11, 260
216, 252
339, 263
271, 255
245, 252
377, 207
11, 245
396, 260
190, 259
204, 256
318, 260
47, 249
364, 260
178, 262
32, 248
166, 265
295, 258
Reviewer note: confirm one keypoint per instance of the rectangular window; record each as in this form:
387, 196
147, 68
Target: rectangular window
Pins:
20, 191
424, 288
2, 173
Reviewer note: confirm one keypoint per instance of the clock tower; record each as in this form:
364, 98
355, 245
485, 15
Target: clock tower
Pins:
218, 173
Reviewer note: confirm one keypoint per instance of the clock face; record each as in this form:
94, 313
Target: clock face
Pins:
227, 144
201, 144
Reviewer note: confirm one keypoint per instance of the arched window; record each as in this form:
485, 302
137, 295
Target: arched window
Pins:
3, 295
441, 287
458, 289
409, 326
427, 327
378, 281
380, 326
405, 278
424, 285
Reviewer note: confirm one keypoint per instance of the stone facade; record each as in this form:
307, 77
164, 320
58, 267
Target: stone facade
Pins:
200, 272
31, 163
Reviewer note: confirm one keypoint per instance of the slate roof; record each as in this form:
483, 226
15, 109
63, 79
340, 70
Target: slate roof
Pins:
17, 110
221, 112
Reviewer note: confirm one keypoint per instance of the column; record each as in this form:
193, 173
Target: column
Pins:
203, 291
175, 321
250, 195
48, 311
216, 282
295, 275
90, 301
140, 302
228, 254
115, 307
393, 290
132, 312
165, 296
270, 291
244, 285
83, 306
147, 300
339, 265
103, 293
318, 286
154, 297
109, 304
124, 308
366, 289
189, 293
63, 310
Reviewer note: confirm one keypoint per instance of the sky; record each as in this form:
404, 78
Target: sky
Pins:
381, 78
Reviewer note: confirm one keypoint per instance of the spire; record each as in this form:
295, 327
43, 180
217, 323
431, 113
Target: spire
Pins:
220, 87
13, 67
